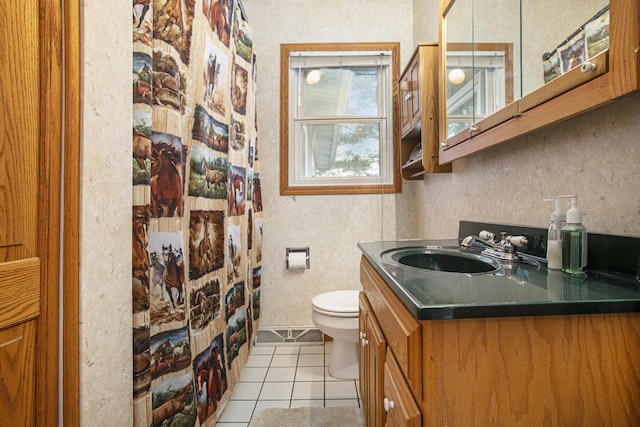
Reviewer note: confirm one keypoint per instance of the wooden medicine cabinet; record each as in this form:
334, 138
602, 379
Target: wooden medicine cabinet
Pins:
545, 87
419, 119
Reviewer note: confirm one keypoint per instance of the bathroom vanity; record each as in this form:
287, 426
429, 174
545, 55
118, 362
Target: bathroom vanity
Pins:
522, 346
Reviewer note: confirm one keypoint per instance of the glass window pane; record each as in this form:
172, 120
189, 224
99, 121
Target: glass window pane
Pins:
339, 150
330, 92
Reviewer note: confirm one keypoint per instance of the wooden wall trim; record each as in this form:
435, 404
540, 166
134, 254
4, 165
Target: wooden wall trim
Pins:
50, 131
71, 295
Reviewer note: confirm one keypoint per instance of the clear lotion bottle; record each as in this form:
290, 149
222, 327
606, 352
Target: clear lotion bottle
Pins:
554, 238
574, 242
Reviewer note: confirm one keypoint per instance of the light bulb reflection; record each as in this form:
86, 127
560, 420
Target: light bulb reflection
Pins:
313, 77
456, 76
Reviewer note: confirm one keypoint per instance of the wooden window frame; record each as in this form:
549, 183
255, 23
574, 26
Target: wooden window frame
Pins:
288, 189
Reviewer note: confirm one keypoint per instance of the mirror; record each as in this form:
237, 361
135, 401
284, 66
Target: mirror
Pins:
574, 31
498, 51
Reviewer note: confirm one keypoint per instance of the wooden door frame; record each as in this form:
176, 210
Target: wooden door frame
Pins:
59, 124
70, 400
48, 223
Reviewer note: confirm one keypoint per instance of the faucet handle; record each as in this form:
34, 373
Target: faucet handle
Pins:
519, 241
486, 235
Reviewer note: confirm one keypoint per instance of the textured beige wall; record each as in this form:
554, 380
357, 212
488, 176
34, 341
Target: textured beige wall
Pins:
426, 17
105, 229
330, 226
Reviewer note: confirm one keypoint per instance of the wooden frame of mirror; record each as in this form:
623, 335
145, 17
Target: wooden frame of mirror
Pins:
617, 73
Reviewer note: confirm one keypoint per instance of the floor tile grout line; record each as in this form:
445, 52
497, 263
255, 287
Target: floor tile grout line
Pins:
261, 387
293, 386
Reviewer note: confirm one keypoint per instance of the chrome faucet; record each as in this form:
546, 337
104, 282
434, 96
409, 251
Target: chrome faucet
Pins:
505, 249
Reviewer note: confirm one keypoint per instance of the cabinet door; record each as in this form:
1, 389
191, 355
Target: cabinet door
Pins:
372, 357
363, 355
405, 103
377, 348
410, 94
414, 71
398, 402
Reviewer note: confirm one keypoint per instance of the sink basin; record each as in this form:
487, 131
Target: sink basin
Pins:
445, 260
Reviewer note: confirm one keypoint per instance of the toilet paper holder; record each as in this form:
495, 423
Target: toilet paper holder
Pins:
297, 251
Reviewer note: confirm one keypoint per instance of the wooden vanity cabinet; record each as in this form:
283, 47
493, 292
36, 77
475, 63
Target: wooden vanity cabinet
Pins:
529, 370
390, 356
419, 113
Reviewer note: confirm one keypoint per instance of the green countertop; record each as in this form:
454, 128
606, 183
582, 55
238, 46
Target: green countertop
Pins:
523, 291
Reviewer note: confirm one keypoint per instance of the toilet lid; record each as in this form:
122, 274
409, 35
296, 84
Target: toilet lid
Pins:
337, 302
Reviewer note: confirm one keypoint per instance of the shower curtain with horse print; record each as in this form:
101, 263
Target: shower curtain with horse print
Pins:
197, 210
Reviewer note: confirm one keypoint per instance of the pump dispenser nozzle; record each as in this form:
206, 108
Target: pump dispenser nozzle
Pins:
574, 215
558, 214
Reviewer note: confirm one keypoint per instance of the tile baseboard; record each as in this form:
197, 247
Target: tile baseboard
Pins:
294, 336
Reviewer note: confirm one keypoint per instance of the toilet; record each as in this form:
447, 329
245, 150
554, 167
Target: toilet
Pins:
336, 314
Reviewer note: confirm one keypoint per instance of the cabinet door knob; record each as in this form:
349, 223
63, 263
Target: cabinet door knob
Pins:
365, 342
388, 404
362, 335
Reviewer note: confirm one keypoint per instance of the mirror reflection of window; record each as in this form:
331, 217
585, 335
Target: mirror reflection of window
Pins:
475, 87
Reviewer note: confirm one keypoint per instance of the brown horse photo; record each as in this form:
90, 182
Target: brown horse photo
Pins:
140, 258
173, 276
168, 276
173, 24
167, 183
206, 242
211, 379
172, 400
236, 191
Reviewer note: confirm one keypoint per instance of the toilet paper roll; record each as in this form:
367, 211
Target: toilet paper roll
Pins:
297, 260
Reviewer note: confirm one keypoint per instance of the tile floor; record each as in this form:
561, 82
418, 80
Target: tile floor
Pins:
286, 377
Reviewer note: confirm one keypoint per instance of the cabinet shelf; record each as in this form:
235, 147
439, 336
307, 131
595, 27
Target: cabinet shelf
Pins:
413, 169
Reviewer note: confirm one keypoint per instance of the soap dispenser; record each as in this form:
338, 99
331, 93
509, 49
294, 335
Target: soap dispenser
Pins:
554, 235
574, 242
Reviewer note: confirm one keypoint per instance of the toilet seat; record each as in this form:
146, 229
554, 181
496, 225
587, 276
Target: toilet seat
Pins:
336, 303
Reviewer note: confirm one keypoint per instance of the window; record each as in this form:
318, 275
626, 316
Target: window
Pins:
337, 128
